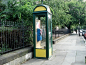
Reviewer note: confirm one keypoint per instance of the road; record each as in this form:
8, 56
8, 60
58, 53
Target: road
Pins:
69, 51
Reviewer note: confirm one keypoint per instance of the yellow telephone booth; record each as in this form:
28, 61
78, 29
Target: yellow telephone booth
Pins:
42, 32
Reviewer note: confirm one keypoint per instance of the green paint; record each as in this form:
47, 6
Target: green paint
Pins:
40, 14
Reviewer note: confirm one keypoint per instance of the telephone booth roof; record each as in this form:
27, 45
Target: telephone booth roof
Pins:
42, 8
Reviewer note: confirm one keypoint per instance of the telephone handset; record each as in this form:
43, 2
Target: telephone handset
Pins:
39, 34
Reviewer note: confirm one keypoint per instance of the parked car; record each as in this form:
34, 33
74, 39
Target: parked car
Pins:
80, 32
85, 35
83, 32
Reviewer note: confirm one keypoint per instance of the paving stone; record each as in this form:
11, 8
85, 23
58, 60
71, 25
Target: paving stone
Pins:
34, 62
78, 63
68, 51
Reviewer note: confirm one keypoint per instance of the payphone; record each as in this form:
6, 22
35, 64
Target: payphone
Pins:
42, 28
39, 37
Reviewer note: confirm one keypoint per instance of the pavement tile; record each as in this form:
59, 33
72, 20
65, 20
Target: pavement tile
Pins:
68, 51
34, 62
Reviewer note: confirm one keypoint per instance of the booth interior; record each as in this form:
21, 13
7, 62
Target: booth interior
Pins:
40, 30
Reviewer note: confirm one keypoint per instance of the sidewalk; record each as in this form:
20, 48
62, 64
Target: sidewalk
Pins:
68, 51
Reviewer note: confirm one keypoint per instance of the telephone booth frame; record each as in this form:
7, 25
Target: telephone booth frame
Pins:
43, 11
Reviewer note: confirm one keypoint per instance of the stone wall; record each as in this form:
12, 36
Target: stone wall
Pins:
16, 57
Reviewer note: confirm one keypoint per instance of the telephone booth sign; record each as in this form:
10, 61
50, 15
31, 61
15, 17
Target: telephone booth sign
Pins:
42, 32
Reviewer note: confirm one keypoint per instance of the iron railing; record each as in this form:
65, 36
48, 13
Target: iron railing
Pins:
14, 35
60, 32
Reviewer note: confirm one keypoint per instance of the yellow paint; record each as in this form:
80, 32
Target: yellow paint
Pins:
50, 52
41, 53
40, 8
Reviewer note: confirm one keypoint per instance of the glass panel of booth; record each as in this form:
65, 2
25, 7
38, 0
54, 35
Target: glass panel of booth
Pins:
49, 28
40, 32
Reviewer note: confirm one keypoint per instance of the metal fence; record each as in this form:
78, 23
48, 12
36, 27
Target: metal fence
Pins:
14, 35
60, 32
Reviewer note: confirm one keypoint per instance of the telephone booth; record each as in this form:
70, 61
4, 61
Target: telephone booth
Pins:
42, 32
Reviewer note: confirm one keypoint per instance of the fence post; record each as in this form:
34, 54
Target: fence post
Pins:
58, 33
55, 34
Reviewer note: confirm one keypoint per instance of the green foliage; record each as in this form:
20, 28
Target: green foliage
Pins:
4, 48
20, 12
85, 60
77, 11
59, 9
67, 13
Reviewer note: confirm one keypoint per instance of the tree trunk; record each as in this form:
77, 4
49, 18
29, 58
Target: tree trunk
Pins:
69, 27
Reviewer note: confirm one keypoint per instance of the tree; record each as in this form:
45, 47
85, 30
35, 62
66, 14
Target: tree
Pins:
2, 7
60, 17
77, 11
68, 12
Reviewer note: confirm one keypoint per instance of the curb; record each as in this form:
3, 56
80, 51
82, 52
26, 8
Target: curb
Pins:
84, 40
